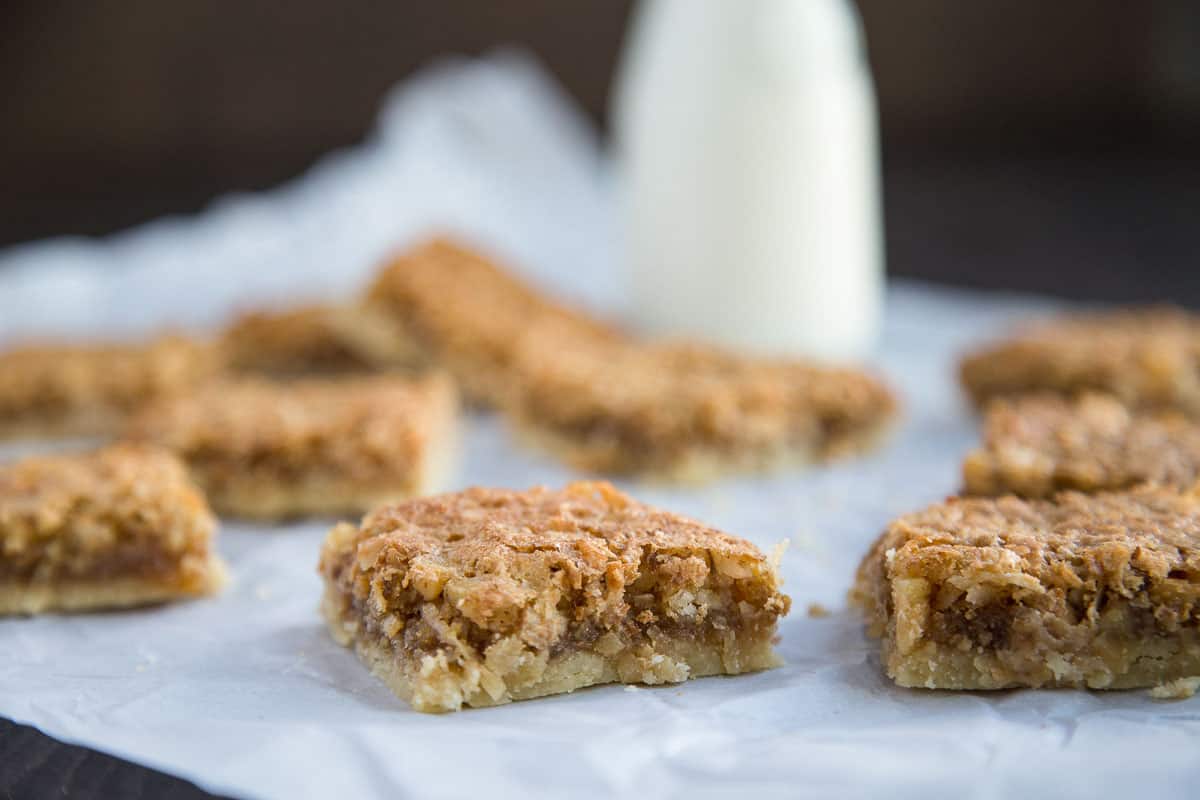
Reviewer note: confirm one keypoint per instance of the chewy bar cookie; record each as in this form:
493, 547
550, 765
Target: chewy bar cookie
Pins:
118, 527
63, 390
1038, 445
316, 340
1149, 358
266, 450
1098, 591
690, 412
608, 403
468, 315
489, 596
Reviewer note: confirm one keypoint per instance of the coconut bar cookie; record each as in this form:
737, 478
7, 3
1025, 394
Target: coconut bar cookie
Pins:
1038, 445
488, 596
1098, 591
468, 314
313, 341
609, 403
63, 390
312, 447
1149, 358
118, 527
690, 412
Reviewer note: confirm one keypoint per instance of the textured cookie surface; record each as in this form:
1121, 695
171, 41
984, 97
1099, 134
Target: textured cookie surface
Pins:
488, 596
1099, 591
117, 527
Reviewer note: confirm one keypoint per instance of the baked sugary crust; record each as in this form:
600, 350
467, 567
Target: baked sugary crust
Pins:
1038, 445
1149, 358
488, 596
320, 446
63, 390
1099, 591
118, 527
311, 341
605, 402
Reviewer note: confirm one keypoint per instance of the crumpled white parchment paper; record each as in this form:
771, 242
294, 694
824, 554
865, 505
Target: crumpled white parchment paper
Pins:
247, 694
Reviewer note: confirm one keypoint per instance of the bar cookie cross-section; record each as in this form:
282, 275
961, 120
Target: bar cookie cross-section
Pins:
1089, 591
118, 527
488, 596
266, 450
1037, 445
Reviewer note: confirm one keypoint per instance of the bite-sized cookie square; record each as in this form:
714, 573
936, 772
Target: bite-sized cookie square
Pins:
488, 595
1148, 358
610, 403
1037, 445
1088, 591
691, 413
314, 447
467, 313
89, 390
314, 340
122, 526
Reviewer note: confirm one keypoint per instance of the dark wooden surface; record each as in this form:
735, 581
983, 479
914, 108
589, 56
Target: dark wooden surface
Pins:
33, 766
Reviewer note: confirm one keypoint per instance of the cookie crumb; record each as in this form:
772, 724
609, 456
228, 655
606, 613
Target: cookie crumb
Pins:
1178, 689
818, 611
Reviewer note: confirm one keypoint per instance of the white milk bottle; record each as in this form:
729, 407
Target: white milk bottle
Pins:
748, 166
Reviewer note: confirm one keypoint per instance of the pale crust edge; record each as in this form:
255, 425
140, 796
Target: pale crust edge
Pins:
699, 464
112, 593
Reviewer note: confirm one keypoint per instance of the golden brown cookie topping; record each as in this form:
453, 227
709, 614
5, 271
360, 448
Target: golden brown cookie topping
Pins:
1097, 590
491, 595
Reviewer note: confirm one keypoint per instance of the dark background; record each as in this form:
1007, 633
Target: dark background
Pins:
1027, 144
1037, 144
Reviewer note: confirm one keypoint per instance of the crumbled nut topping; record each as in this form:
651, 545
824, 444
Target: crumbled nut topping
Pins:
551, 566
